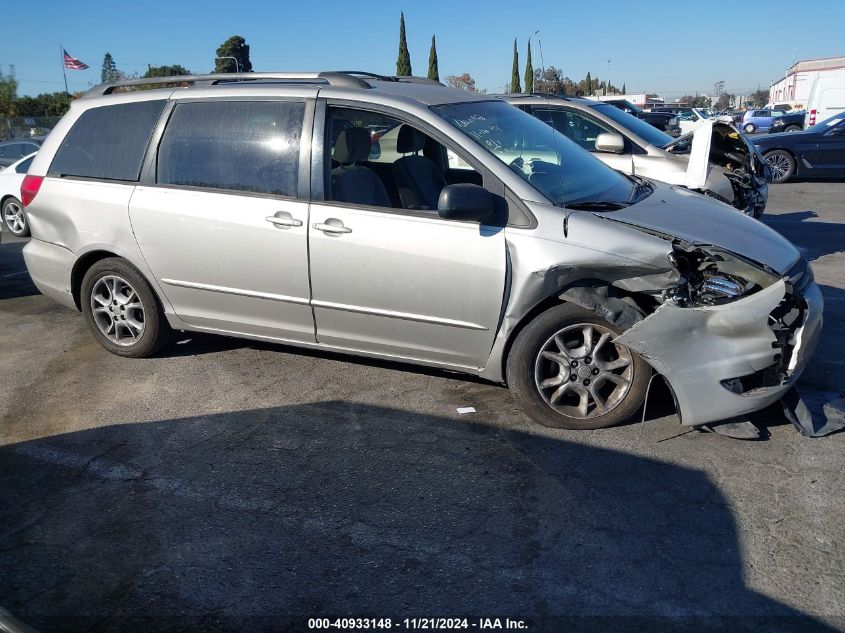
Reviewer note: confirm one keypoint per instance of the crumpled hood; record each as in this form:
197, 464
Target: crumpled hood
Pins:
700, 220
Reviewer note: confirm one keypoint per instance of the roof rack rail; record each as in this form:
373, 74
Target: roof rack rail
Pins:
340, 79
395, 78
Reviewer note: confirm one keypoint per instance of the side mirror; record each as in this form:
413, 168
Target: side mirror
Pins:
467, 202
610, 142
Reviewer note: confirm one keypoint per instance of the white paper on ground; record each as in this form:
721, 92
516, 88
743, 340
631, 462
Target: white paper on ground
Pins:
466, 409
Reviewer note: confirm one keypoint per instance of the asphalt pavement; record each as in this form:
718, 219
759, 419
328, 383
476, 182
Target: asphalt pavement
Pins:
231, 485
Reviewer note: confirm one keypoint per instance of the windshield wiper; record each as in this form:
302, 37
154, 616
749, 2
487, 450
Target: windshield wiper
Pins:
642, 189
595, 205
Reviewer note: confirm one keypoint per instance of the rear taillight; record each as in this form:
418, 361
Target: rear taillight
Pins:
813, 116
30, 187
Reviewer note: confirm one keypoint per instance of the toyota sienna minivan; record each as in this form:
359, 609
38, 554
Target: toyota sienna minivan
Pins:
259, 206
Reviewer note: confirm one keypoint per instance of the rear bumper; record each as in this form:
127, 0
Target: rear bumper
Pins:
726, 361
50, 267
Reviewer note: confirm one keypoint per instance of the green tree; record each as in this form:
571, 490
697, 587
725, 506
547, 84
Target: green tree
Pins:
588, 85
433, 70
45, 104
697, 101
552, 81
462, 82
403, 61
515, 87
529, 71
760, 98
624, 90
166, 71
109, 71
236, 47
725, 101
8, 92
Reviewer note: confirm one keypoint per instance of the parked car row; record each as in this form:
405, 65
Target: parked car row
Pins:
265, 209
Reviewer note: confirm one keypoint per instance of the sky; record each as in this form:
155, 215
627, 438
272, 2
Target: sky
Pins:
669, 48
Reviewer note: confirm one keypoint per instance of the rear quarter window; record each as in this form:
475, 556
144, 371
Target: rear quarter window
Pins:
108, 142
247, 146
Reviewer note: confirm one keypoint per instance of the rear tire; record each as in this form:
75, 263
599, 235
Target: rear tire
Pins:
793, 128
782, 165
122, 310
14, 217
563, 382
749, 128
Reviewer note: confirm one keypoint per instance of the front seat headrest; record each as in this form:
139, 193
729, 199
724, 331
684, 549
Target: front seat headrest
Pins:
409, 140
353, 144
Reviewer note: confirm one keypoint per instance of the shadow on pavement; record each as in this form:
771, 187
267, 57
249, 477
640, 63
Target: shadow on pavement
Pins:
815, 239
14, 279
255, 520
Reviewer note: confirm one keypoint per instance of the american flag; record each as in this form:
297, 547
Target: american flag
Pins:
73, 63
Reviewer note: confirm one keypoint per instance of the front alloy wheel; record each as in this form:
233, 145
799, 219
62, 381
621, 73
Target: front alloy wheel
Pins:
581, 373
567, 372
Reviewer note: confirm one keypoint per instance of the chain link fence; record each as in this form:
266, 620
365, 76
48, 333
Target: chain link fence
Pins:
26, 127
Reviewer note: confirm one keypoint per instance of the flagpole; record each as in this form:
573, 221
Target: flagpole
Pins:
64, 72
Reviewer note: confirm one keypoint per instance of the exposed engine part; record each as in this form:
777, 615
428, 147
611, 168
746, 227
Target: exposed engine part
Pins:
745, 195
702, 282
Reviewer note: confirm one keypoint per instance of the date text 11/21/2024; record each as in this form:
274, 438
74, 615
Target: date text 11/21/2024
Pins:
430, 624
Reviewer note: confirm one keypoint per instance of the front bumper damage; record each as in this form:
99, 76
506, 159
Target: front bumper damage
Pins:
723, 361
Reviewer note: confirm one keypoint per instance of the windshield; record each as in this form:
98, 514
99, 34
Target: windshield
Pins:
645, 131
540, 155
825, 125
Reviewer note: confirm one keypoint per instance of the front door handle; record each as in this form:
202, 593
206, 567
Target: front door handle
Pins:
332, 226
283, 218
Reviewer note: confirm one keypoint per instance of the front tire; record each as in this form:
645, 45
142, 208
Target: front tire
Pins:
793, 128
566, 373
122, 310
749, 128
14, 217
782, 165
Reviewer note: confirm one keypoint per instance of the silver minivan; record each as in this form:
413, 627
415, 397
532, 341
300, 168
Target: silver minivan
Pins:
260, 206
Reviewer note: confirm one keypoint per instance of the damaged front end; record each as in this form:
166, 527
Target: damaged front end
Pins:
740, 179
731, 336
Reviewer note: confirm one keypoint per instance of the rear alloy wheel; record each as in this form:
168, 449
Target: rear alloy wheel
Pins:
782, 165
749, 128
567, 372
15, 217
122, 311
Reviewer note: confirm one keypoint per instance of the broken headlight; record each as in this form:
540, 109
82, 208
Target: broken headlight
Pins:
712, 277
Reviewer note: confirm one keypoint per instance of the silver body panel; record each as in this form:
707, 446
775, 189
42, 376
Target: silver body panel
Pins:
405, 286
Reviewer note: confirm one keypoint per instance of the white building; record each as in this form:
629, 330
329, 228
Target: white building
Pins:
795, 87
642, 100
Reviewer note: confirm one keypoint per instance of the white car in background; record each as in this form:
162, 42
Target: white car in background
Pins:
11, 209
690, 119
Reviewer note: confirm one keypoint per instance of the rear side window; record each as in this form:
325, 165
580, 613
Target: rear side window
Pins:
108, 142
250, 146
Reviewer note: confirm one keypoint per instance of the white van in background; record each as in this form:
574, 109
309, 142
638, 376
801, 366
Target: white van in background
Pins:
827, 97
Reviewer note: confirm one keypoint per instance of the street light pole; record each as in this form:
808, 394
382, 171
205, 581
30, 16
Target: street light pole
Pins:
607, 79
235, 59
